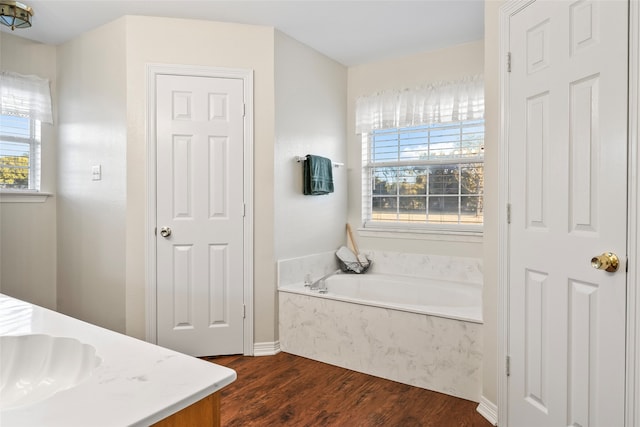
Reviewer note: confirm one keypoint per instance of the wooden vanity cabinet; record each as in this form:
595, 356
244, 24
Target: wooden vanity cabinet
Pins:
205, 412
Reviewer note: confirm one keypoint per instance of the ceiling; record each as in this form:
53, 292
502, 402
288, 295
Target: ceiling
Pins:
351, 32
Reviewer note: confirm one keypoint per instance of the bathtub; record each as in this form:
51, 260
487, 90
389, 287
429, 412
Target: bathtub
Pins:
422, 332
452, 300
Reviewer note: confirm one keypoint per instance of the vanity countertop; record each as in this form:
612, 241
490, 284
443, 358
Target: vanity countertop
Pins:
135, 384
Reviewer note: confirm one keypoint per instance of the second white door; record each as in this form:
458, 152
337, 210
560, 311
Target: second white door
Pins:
567, 176
200, 214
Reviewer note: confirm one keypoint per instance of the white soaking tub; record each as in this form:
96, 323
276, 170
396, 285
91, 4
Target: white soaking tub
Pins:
453, 300
417, 331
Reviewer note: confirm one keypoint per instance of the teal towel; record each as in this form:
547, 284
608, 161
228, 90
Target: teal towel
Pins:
318, 175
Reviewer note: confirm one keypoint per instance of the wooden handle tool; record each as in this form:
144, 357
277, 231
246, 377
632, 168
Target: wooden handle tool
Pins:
353, 244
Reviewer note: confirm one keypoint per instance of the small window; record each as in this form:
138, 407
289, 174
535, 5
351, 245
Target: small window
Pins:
19, 153
428, 175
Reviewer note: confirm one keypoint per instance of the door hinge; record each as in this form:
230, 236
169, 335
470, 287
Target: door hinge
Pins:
244, 110
508, 213
155, 231
244, 311
244, 210
507, 366
508, 62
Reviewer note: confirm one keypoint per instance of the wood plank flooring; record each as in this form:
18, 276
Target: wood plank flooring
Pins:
287, 390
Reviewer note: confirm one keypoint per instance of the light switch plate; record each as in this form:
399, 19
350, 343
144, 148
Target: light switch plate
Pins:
96, 172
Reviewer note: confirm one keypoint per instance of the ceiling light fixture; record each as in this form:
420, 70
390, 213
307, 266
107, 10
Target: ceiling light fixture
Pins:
15, 15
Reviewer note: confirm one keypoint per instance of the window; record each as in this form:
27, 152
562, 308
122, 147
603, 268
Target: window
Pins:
423, 156
19, 153
25, 103
424, 175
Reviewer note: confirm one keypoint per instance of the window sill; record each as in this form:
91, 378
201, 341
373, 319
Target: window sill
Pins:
24, 196
443, 235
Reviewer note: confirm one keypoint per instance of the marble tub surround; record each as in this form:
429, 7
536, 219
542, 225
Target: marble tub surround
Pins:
431, 352
461, 269
135, 384
295, 270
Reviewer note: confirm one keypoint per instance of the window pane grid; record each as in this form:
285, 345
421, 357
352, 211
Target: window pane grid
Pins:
424, 174
19, 153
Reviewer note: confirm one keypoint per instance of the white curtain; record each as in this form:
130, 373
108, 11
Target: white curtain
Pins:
435, 103
25, 96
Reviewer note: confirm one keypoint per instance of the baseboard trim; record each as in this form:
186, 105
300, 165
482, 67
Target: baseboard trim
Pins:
266, 348
489, 410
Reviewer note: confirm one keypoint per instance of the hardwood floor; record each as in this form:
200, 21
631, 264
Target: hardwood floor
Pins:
287, 390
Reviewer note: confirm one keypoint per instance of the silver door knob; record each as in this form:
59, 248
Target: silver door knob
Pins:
165, 232
608, 261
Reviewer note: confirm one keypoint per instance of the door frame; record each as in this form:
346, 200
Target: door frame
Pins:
246, 75
632, 405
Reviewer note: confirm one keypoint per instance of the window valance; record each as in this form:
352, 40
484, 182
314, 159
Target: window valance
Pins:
435, 103
25, 96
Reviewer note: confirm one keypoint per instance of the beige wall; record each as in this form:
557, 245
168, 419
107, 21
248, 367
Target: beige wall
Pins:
442, 65
102, 224
28, 230
311, 109
491, 159
91, 214
171, 41
101, 242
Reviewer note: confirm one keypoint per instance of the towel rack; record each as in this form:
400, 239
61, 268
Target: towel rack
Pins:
300, 159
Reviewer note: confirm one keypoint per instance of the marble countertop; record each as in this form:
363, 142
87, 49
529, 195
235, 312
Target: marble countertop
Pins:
135, 384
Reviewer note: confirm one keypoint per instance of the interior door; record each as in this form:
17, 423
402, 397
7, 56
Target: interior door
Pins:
200, 210
567, 190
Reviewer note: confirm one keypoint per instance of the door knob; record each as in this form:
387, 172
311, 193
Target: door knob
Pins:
165, 232
608, 261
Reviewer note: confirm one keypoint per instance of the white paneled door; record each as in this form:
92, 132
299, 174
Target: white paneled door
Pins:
200, 209
567, 143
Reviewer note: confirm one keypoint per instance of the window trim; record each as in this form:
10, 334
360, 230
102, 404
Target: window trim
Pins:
473, 234
397, 229
34, 140
24, 196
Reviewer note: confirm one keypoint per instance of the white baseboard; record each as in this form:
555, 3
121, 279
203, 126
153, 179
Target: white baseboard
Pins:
266, 348
489, 410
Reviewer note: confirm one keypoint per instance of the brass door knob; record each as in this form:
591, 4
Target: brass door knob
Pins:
608, 261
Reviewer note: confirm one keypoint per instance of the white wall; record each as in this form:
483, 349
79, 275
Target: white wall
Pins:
91, 214
408, 72
28, 230
310, 107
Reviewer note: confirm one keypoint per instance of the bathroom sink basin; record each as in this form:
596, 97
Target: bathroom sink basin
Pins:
35, 367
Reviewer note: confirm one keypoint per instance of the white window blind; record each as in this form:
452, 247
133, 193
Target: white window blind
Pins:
25, 96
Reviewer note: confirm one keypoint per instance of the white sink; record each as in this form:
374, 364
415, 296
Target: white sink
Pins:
35, 367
